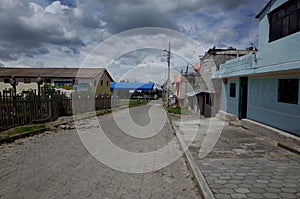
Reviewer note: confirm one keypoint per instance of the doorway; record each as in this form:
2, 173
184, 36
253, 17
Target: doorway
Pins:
243, 96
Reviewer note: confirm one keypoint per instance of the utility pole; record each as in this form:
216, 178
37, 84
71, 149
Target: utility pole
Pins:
168, 80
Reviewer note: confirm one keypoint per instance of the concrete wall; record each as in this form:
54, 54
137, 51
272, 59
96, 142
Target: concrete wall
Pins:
21, 85
276, 56
230, 104
264, 107
284, 50
104, 89
275, 60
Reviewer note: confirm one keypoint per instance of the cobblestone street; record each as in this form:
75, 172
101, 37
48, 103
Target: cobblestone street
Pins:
57, 165
242, 164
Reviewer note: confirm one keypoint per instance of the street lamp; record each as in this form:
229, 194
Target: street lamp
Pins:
14, 82
168, 79
39, 82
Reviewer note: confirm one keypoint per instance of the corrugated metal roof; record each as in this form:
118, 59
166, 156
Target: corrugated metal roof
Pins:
193, 93
52, 72
131, 86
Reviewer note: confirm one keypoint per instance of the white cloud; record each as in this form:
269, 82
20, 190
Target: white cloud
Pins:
60, 34
56, 7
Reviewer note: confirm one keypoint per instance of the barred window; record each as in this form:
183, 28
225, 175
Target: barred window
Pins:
288, 91
26, 80
284, 20
47, 81
232, 92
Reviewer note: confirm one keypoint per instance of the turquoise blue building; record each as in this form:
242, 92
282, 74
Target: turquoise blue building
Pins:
264, 86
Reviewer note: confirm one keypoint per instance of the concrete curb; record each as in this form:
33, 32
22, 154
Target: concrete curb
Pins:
14, 137
283, 139
203, 187
268, 131
48, 126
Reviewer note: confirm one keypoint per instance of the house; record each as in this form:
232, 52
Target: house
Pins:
204, 89
96, 79
264, 87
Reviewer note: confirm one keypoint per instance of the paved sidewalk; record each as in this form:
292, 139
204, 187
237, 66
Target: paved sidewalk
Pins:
242, 164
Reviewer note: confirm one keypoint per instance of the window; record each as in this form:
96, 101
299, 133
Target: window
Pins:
288, 91
47, 81
232, 90
6, 80
95, 83
101, 83
107, 83
284, 20
27, 81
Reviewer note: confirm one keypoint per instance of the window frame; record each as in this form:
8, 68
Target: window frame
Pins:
285, 92
280, 24
6, 81
27, 80
232, 90
47, 81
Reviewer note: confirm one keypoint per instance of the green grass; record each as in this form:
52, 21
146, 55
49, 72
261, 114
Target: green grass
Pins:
133, 103
21, 129
178, 110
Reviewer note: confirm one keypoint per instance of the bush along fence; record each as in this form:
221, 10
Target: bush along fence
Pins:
33, 107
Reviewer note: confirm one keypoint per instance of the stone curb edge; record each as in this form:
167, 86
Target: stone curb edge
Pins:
14, 137
203, 187
56, 123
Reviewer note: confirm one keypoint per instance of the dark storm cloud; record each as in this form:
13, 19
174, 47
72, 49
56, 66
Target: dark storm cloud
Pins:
27, 29
30, 29
124, 15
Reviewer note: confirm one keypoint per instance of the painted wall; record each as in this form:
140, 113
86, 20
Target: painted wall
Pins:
264, 108
21, 85
284, 50
280, 55
104, 89
230, 104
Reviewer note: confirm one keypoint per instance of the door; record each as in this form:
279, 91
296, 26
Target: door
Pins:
243, 97
203, 104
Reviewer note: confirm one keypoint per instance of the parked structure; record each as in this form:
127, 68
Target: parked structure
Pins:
97, 79
264, 87
127, 90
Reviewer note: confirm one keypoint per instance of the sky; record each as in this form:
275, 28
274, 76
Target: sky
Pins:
128, 37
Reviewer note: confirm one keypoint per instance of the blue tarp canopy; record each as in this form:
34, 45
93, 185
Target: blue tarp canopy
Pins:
131, 86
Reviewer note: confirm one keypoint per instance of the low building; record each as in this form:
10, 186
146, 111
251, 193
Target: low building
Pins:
203, 88
264, 87
97, 79
127, 90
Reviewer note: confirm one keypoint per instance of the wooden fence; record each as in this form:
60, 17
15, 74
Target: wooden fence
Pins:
34, 108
